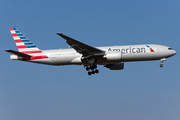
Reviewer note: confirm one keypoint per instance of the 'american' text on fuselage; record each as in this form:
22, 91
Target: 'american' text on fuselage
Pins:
128, 50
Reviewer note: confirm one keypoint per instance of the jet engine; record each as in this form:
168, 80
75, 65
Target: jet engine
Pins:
116, 56
117, 66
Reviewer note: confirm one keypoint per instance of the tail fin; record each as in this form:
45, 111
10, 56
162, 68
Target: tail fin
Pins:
23, 44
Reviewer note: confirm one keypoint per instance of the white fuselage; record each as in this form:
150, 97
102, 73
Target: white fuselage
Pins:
126, 53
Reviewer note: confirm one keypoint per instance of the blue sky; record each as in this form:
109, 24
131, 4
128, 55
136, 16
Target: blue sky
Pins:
142, 91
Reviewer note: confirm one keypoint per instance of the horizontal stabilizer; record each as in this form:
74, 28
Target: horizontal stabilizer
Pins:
17, 53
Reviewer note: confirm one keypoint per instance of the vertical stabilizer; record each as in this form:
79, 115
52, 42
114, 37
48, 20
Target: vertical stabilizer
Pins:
23, 44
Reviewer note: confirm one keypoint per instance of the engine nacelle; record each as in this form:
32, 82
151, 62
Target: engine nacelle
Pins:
116, 56
117, 66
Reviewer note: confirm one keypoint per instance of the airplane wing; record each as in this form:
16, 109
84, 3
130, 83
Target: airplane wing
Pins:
86, 50
17, 53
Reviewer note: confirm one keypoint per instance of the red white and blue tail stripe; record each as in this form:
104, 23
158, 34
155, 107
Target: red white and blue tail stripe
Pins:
25, 46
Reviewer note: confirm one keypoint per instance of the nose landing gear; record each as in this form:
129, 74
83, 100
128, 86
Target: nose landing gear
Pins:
162, 60
161, 65
93, 69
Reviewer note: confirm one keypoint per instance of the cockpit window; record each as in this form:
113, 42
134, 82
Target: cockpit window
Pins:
169, 48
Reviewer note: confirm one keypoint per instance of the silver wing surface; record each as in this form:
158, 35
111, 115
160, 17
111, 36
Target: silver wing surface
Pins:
86, 50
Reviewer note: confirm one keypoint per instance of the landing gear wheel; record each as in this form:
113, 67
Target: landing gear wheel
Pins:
96, 71
162, 60
92, 69
87, 68
93, 72
161, 65
89, 73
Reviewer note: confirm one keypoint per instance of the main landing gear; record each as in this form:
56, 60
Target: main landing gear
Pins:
93, 69
162, 60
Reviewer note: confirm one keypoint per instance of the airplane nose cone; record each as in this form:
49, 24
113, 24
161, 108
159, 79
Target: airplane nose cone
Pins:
171, 52
174, 52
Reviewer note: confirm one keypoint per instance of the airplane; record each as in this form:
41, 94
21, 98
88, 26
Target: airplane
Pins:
112, 57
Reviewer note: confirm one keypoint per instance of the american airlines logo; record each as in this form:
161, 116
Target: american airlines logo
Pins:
150, 48
128, 50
